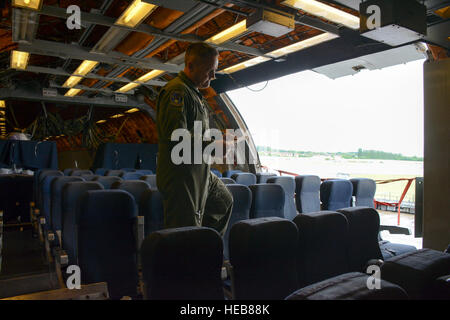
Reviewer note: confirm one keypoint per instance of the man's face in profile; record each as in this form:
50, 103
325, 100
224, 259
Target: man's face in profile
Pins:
202, 71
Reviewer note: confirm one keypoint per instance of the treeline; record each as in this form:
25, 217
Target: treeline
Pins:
361, 154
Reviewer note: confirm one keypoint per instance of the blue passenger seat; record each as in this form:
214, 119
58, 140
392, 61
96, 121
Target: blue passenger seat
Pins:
335, 194
261, 177
267, 200
183, 264
323, 246
107, 181
364, 192
150, 178
307, 193
70, 199
263, 258
151, 207
107, 244
242, 201
288, 185
245, 178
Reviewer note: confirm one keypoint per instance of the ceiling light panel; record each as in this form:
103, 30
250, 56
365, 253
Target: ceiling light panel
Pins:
72, 81
85, 67
302, 45
19, 59
72, 92
245, 64
325, 11
135, 13
28, 4
230, 33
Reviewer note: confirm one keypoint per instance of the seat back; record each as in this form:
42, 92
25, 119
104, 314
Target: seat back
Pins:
106, 241
107, 181
364, 191
39, 177
115, 173
307, 193
70, 197
336, 194
56, 199
288, 185
136, 188
245, 178
217, 172
229, 173
128, 169
182, 263
101, 171
132, 176
151, 207
242, 201
46, 194
144, 172
227, 180
150, 178
267, 200
261, 177
418, 273
363, 226
262, 254
89, 177
81, 172
322, 247
68, 171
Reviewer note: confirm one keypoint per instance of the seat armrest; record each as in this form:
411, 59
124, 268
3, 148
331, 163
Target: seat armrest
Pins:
395, 229
373, 262
140, 231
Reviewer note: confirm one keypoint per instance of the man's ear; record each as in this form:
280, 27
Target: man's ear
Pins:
190, 66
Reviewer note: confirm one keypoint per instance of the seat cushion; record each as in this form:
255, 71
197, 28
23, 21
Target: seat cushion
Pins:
349, 286
417, 271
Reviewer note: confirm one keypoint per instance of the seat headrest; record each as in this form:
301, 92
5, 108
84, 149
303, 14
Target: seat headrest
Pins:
288, 183
106, 206
259, 239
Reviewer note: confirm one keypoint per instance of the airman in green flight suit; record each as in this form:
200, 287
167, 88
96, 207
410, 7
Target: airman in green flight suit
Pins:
192, 194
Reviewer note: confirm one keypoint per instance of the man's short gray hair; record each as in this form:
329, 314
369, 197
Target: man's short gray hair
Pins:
200, 50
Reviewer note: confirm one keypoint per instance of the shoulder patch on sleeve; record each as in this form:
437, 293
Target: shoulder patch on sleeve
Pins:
176, 98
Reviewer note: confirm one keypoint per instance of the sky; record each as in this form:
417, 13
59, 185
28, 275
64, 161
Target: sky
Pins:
307, 111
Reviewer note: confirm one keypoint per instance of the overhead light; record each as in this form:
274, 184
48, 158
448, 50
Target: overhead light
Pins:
133, 110
325, 11
128, 87
72, 81
2, 104
117, 116
72, 92
135, 13
245, 64
227, 34
302, 45
28, 4
146, 77
19, 59
101, 121
85, 67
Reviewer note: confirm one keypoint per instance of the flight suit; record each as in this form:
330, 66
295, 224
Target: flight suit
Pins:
192, 195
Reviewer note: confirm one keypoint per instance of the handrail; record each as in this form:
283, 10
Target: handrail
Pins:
376, 202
